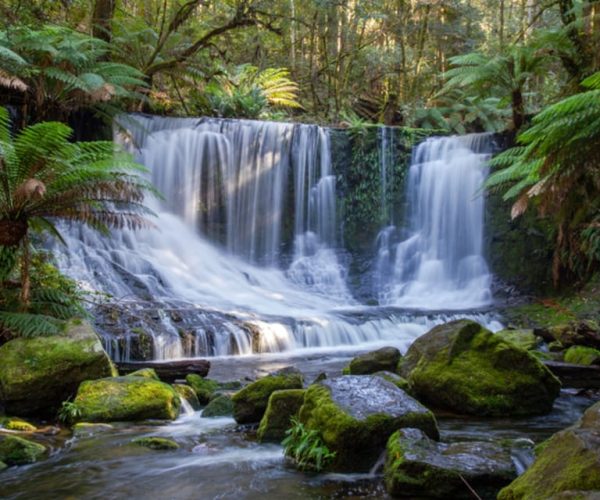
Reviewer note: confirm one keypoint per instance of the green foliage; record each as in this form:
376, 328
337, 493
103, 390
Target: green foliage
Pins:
69, 412
306, 448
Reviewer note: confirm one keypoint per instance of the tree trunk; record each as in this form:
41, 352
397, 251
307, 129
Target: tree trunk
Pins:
12, 232
25, 276
518, 109
102, 17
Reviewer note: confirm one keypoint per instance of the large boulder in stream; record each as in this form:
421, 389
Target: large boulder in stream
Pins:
355, 416
18, 451
416, 466
250, 404
568, 465
38, 374
283, 405
465, 368
126, 399
382, 360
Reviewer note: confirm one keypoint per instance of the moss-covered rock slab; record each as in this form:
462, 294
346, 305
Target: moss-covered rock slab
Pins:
465, 368
395, 379
187, 393
86, 429
250, 404
355, 416
18, 451
569, 461
126, 399
384, 359
221, 406
203, 387
156, 443
580, 355
525, 339
17, 424
283, 405
38, 374
416, 466
145, 372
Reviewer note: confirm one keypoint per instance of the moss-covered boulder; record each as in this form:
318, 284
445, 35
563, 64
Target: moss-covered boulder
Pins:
581, 355
283, 405
395, 379
384, 359
250, 403
355, 416
126, 399
17, 424
465, 368
87, 429
145, 372
38, 374
187, 393
416, 466
569, 461
221, 406
18, 451
585, 333
203, 387
525, 339
156, 443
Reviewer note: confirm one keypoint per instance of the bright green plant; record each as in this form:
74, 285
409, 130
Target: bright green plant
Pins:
69, 412
306, 448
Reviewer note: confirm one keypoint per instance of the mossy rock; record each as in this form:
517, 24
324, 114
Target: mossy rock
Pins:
250, 404
569, 461
221, 406
580, 355
3, 466
187, 393
395, 379
355, 416
145, 372
525, 339
17, 424
126, 399
465, 368
156, 443
384, 359
416, 466
18, 451
283, 405
87, 429
203, 387
584, 333
38, 374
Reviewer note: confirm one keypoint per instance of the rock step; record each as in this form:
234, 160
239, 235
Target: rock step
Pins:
575, 376
168, 371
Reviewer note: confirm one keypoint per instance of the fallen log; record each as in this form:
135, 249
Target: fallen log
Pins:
576, 376
168, 371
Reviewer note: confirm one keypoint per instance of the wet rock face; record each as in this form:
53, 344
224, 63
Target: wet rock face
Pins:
568, 462
355, 415
38, 374
221, 406
283, 405
465, 368
416, 466
384, 359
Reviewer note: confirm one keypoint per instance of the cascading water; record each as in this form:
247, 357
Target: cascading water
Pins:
223, 272
440, 263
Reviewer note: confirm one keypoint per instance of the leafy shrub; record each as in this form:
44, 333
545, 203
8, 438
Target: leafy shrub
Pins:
306, 448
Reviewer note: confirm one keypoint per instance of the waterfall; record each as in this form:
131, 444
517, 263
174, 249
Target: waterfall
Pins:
439, 263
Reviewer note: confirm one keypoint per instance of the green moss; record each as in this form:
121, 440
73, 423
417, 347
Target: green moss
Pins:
221, 406
282, 406
87, 429
126, 399
38, 374
187, 393
581, 355
3, 466
146, 373
384, 359
18, 451
156, 443
356, 443
16, 424
464, 367
395, 379
203, 387
525, 339
250, 403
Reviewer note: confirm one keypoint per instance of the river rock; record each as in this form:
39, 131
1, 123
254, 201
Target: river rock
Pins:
3, 466
568, 462
355, 416
17, 424
525, 339
156, 443
586, 333
250, 404
126, 399
581, 355
465, 368
395, 379
187, 393
221, 406
417, 466
38, 374
384, 359
86, 429
145, 372
18, 451
203, 387
282, 406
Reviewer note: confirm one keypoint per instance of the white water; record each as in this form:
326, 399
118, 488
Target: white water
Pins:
440, 262
217, 254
